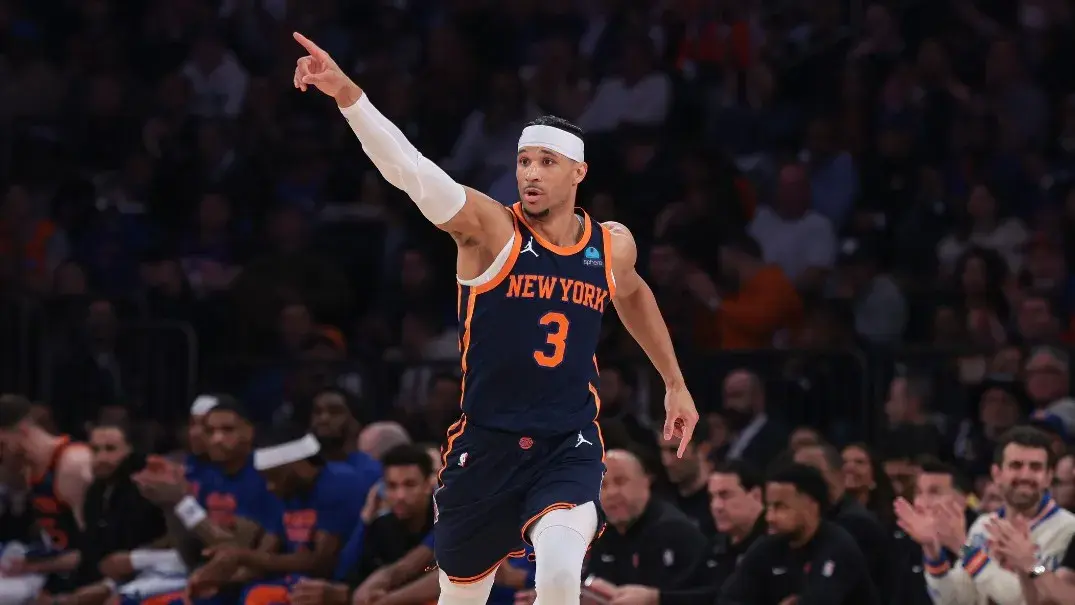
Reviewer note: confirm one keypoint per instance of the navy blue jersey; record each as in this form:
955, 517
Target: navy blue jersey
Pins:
53, 515
528, 337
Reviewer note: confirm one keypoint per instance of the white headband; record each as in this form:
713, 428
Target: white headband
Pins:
293, 451
203, 404
553, 139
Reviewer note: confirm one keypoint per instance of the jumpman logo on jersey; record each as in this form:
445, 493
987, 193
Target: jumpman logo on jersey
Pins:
529, 247
582, 440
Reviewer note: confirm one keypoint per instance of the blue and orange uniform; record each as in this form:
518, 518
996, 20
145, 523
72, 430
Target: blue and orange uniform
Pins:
197, 470
332, 507
52, 515
528, 441
226, 498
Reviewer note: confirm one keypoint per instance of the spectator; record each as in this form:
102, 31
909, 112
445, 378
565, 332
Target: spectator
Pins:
758, 438
984, 228
795, 238
666, 543
872, 538
879, 306
689, 475
762, 306
907, 410
379, 437
1047, 385
797, 500
866, 481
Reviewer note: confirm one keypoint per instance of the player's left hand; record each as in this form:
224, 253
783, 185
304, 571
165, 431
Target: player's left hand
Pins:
680, 416
223, 562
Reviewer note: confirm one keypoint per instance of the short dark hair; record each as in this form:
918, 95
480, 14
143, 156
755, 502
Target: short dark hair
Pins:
124, 429
352, 404
1025, 436
749, 477
408, 454
227, 403
934, 466
14, 409
557, 122
806, 480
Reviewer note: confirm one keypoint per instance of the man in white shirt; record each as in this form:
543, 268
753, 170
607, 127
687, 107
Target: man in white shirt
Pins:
799, 240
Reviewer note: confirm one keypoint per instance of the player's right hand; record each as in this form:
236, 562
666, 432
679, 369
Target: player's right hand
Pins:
319, 70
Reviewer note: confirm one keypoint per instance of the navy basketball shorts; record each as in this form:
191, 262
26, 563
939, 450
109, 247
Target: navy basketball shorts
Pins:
496, 485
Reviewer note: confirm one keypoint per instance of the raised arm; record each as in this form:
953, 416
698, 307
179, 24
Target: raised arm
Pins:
471, 217
637, 309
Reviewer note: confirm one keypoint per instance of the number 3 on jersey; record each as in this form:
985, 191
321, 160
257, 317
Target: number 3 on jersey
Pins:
557, 325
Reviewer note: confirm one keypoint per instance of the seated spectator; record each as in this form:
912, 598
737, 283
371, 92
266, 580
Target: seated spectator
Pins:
757, 437
688, 476
379, 437
873, 540
647, 542
760, 304
794, 237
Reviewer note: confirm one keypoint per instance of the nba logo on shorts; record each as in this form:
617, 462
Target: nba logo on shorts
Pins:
526, 443
592, 257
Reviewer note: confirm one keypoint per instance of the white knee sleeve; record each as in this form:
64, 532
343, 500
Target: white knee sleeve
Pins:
560, 540
464, 594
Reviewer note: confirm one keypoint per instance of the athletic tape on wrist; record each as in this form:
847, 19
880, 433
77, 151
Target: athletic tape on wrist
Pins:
189, 512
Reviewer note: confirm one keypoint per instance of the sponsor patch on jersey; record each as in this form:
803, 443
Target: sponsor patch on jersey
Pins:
592, 257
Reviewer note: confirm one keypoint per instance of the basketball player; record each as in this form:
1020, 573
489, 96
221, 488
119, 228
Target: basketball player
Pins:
526, 457
60, 472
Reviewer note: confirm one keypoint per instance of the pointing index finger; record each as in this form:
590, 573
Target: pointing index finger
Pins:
688, 432
310, 47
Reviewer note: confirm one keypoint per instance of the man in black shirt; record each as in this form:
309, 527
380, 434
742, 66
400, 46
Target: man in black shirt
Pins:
739, 513
408, 473
688, 476
873, 539
647, 540
806, 560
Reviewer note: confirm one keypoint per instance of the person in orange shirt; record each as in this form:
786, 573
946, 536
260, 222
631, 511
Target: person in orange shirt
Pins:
757, 307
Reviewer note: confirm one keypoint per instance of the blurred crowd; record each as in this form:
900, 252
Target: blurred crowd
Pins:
857, 218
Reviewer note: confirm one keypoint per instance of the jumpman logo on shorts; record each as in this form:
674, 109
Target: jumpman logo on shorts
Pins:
529, 247
582, 440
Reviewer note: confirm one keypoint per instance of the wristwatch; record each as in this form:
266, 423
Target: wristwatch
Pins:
1036, 572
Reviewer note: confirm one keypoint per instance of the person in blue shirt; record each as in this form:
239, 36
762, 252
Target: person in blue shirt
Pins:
197, 464
335, 421
317, 511
231, 503
409, 497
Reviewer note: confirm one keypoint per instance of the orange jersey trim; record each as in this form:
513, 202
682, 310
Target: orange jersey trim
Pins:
587, 231
454, 432
479, 577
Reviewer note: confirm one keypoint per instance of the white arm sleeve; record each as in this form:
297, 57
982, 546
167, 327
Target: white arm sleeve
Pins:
435, 193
